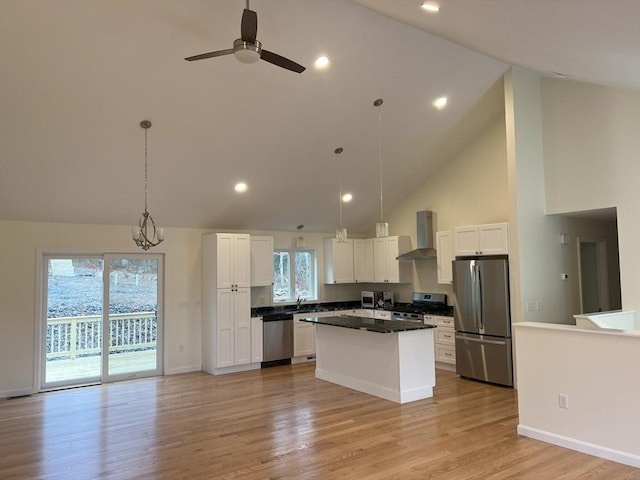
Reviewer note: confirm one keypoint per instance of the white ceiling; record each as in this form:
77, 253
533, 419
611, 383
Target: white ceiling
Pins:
76, 78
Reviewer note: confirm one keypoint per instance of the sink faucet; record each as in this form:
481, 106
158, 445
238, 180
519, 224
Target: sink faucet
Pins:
299, 301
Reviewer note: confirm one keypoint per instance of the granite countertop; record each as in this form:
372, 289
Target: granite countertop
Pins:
369, 324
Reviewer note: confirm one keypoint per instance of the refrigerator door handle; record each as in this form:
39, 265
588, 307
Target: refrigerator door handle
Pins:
476, 295
474, 292
480, 340
480, 297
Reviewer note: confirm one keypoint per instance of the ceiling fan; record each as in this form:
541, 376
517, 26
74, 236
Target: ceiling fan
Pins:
249, 50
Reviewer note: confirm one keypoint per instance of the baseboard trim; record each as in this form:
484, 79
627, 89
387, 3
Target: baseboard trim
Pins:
580, 446
22, 392
187, 369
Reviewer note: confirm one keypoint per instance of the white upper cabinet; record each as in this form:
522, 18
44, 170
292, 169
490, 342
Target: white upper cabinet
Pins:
261, 261
386, 269
338, 261
233, 259
445, 255
363, 260
490, 239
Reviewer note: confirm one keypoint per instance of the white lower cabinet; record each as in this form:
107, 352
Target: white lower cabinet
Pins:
382, 314
256, 339
304, 336
233, 327
444, 339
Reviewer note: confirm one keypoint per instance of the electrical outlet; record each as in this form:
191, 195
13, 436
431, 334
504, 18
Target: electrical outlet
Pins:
564, 276
563, 400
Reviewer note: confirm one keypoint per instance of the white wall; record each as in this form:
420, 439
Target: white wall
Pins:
592, 160
598, 373
468, 189
20, 243
537, 258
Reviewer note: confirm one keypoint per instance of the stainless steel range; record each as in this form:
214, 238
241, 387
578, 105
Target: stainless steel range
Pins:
422, 304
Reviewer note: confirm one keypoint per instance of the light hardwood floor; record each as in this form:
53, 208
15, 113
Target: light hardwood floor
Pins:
277, 423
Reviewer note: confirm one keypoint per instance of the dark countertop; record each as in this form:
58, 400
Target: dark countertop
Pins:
369, 324
304, 308
446, 311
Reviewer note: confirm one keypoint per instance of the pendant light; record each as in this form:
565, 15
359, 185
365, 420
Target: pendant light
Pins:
341, 233
382, 228
146, 235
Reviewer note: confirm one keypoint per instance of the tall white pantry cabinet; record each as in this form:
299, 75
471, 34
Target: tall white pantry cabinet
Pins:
226, 301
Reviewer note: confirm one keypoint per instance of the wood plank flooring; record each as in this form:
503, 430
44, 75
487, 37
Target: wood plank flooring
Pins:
277, 423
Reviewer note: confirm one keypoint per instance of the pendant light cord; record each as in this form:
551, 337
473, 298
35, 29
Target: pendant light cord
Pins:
146, 131
338, 151
380, 161
340, 193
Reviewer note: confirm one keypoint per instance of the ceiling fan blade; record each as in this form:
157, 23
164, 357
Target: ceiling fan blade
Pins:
202, 56
281, 61
249, 26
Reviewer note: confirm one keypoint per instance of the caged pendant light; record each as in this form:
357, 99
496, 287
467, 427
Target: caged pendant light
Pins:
341, 233
146, 235
382, 228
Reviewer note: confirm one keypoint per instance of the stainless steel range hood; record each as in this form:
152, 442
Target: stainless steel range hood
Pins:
425, 239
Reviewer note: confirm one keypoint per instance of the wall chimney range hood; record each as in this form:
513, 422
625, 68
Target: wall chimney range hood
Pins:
425, 235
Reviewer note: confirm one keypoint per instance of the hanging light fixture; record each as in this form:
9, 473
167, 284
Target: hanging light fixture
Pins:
341, 233
146, 235
382, 228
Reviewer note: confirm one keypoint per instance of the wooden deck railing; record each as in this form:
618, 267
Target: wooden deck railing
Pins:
70, 337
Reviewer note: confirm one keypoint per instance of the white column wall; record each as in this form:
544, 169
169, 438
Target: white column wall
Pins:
592, 161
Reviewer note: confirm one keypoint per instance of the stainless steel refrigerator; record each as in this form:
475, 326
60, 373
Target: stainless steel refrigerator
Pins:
482, 319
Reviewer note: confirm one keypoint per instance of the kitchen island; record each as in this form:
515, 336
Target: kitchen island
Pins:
391, 359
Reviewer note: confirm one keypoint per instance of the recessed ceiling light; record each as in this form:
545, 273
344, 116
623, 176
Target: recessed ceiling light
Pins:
322, 62
347, 197
440, 103
241, 187
432, 7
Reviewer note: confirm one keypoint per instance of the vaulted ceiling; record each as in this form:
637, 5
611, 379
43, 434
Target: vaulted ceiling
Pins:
76, 79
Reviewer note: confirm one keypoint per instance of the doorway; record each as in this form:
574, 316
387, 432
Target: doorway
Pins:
593, 277
101, 318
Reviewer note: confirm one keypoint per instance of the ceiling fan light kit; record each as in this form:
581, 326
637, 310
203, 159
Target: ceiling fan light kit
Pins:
246, 52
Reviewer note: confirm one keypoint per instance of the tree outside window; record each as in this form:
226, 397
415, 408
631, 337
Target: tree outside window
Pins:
294, 274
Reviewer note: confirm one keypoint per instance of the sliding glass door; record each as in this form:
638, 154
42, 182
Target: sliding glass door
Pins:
102, 318
72, 327
132, 339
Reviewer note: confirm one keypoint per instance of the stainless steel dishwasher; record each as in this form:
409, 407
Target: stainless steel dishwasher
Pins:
277, 339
